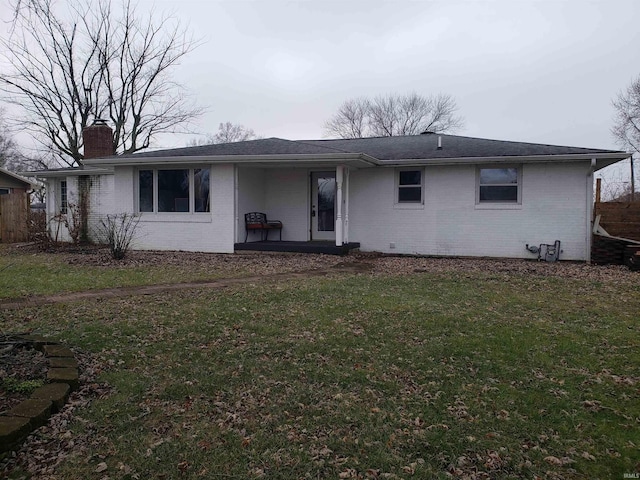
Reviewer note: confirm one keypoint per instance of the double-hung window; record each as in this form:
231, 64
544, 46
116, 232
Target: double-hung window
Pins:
499, 185
410, 185
177, 190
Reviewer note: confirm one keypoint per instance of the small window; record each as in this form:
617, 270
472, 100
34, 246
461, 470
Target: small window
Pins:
409, 186
63, 196
145, 190
181, 190
201, 189
4, 191
499, 185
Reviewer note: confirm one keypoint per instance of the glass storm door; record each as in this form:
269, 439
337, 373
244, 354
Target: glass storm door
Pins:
323, 202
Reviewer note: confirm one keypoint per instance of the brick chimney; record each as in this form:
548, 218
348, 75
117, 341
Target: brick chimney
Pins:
98, 140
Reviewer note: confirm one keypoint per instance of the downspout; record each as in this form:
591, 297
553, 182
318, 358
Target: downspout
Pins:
590, 208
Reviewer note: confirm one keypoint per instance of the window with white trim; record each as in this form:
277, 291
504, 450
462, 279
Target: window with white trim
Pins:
4, 191
62, 191
409, 185
499, 185
174, 190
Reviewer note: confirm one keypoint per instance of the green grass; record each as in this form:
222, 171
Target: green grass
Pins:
359, 377
45, 274
26, 387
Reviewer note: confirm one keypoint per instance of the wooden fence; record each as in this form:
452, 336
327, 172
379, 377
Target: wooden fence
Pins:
14, 212
620, 219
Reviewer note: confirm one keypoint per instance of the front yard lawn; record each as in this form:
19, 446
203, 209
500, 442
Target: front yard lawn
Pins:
430, 374
27, 271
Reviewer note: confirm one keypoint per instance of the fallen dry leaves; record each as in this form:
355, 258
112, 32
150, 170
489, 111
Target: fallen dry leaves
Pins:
51, 444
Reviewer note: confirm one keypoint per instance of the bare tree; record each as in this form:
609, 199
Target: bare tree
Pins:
227, 133
66, 69
626, 127
350, 121
393, 115
9, 153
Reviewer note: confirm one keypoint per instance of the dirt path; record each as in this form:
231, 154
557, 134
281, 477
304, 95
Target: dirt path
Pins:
118, 292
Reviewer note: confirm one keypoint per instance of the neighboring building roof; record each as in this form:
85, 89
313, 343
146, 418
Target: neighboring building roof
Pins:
14, 177
69, 172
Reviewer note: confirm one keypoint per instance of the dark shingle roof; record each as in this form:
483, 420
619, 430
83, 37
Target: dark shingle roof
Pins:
265, 146
389, 149
426, 146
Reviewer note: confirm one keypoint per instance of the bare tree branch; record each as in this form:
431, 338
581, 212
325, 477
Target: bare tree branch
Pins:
9, 154
626, 127
227, 133
64, 73
350, 121
392, 115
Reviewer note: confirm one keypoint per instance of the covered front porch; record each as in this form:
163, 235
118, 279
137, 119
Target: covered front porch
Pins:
311, 200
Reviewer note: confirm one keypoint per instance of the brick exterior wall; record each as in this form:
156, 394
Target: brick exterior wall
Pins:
287, 199
554, 207
199, 232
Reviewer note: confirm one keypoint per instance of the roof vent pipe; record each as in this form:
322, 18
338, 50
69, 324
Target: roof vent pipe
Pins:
439, 142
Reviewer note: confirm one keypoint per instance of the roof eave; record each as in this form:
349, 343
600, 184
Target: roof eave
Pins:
603, 159
357, 159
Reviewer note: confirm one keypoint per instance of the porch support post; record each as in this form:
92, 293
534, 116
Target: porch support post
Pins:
339, 224
347, 181
236, 195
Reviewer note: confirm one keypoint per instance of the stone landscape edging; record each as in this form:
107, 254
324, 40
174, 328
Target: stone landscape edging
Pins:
30, 414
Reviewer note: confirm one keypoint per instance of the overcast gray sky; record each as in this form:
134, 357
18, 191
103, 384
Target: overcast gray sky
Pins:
525, 70
541, 71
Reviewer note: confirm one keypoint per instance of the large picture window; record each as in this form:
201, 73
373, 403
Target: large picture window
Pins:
499, 185
409, 186
173, 190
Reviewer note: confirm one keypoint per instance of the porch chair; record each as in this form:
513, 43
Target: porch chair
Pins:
257, 221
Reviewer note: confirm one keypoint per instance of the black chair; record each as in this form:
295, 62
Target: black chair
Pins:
257, 221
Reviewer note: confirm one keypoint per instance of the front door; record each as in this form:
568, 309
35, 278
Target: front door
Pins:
323, 205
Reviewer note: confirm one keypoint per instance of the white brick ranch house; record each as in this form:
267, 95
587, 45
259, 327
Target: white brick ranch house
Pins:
426, 194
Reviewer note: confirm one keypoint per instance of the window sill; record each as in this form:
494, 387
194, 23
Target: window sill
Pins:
498, 206
408, 206
185, 217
